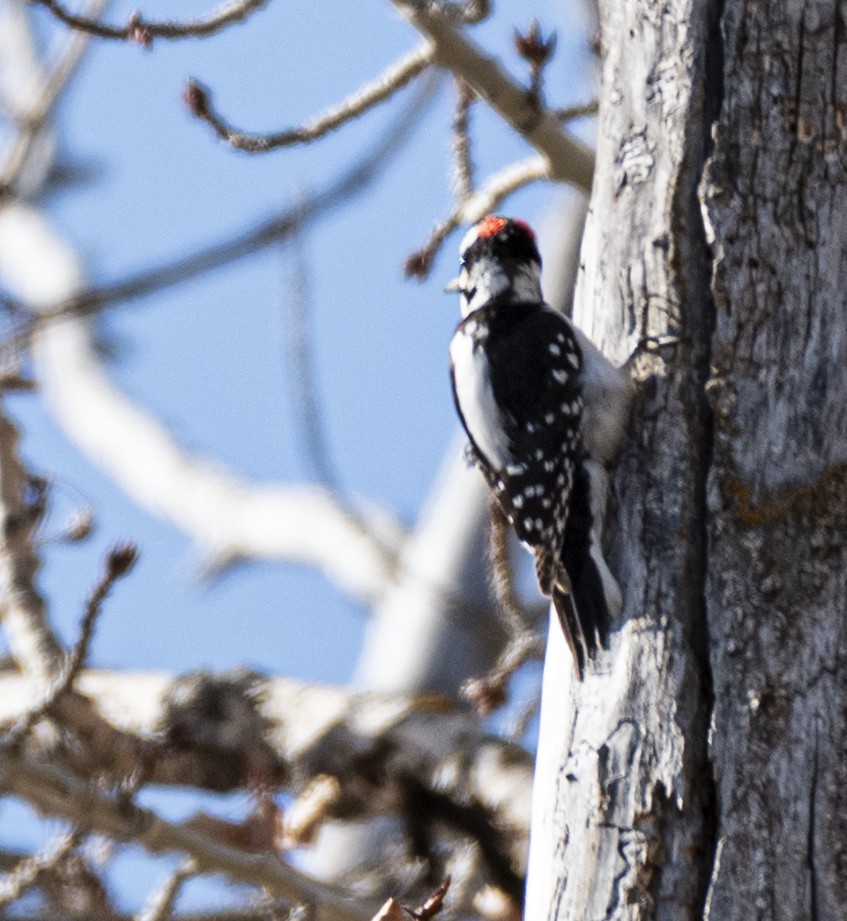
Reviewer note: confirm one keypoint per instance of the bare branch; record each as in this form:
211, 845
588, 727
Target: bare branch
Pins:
473, 209
569, 159
298, 731
34, 119
23, 613
490, 691
232, 519
501, 566
30, 870
463, 179
537, 52
118, 563
198, 100
143, 32
300, 358
242, 245
160, 906
570, 113
55, 791
524, 642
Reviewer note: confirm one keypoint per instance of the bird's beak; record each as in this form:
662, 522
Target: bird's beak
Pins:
452, 285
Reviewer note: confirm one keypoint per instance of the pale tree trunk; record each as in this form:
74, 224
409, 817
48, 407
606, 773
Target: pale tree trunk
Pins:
699, 771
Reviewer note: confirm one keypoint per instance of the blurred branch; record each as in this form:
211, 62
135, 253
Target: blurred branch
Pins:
569, 160
246, 243
30, 870
537, 52
570, 113
32, 122
198, 99
33, 645
305, 385
407, 756
524, 642
463, 178
57, 792
217, 731
143, 32
23, 613
475, 207
118, 563
228, 517
160, 907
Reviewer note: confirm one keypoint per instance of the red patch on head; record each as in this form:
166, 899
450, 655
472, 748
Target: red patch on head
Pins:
492, 225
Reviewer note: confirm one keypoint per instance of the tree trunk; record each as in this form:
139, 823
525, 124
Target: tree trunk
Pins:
776, 203
699, 770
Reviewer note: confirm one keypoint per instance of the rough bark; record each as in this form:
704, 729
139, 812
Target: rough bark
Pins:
622, 813
700, 771
776, 201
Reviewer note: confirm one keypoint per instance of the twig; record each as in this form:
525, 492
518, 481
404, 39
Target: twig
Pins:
198, 100
160, 907
118, 563
55, 791
23, 612
244, 244
143, 32
30, 870
54, 84
569, 159
537, 52
462, 163
301, 360
433, 905
473, 209
501, 570
489, 692
519, 723
570, 113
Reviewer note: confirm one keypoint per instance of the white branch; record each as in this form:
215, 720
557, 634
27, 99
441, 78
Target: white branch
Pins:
229, 518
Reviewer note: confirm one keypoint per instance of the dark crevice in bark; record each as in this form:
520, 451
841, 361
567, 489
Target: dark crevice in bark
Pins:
701, 329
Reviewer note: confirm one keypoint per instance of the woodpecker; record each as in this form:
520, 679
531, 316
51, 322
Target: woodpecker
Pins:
519, 374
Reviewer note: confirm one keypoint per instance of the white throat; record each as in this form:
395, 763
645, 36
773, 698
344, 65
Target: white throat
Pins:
487, 280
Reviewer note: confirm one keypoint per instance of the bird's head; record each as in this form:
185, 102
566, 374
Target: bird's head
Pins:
500, 262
